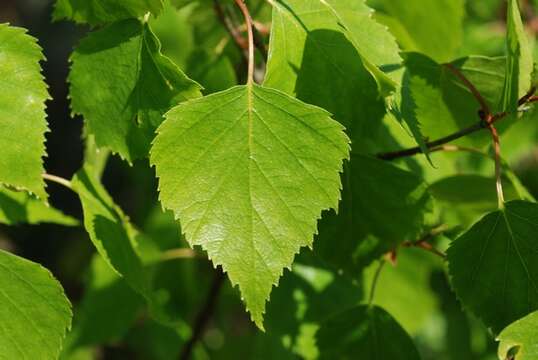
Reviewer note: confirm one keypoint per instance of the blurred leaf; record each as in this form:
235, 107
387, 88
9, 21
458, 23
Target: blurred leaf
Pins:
375, 193
22, 208
519, 339
107, 310
22, 111
115, 77
435, 26
118, 243
492, 266
368, 332
406, 285
99, 12
35, 314
519, 63
465, 198
305, 297
436, 100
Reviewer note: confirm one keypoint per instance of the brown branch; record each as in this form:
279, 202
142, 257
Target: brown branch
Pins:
239, 40
424, 242
484, 123
250, 32
204, 315
498, 165
469, 85
432, 144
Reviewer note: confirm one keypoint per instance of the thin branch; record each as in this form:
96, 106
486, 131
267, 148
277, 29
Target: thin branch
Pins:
469, 85
498, 165
432, 144
484, 123
180, 253
375, 281
248, 20
239, 40
204, 315
424, 241
58, 180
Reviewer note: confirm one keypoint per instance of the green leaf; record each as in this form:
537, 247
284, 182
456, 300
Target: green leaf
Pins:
519, 64
376, 193
493, 269
435, 27
332, 37
248, 172
407, 285
520, 338
109, 300
435, 102
118, 241
35, 314
308, 295
21, 208
22, 111
99, 12
122, 85
366, 333
109, 229
465, 198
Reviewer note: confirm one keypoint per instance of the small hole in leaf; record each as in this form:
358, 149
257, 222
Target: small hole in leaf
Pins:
511, 355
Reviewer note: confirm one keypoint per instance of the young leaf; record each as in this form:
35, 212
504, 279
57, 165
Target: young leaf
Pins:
366, 333
376, 193
122, 85
35, 314
22, 208
22, 111
520, 337
341, 35
492, 265
248, 172
435, 28
519, 63
99, 12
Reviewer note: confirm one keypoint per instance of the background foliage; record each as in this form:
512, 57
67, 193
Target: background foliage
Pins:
392, 78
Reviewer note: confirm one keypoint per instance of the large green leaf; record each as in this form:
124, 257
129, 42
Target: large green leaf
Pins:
21, 208
22, 111
520, 338
98, 12
327, 39
122, 85
520, 64
432, 27
35, 314
248, 172
359, 232
493, 267
365, 333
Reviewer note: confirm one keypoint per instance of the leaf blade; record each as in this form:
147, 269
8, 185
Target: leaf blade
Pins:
22, 117
267, 143
31, 298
